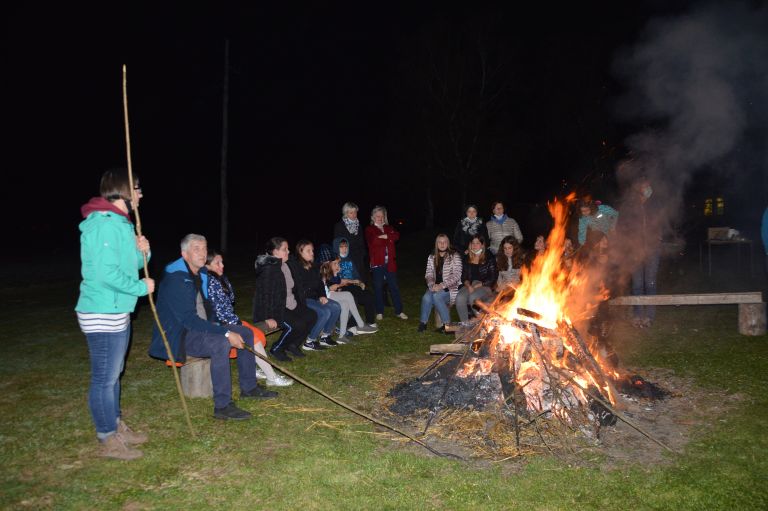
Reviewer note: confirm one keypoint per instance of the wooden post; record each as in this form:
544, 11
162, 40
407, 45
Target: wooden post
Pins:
752, 319
196, 377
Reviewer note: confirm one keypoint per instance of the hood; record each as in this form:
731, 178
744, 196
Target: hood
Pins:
336, 243
101, 204
180, 266
265, 260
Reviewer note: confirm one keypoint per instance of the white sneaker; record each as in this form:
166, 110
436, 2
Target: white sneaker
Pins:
279, 381
260, 374
379, 317
402, 315
373, 325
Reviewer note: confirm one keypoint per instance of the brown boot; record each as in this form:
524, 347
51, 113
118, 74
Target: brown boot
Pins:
130, 436
115, 447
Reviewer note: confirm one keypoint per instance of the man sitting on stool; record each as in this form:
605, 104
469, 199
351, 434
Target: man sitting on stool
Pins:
184, 308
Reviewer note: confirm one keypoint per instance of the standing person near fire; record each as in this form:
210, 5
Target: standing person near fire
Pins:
111, 256
349, 228
467, 227
499, 226
443, 278
595, 215
640, 229
381, 238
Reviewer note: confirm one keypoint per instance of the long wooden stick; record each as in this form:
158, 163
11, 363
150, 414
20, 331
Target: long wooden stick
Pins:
146, 266
350, 408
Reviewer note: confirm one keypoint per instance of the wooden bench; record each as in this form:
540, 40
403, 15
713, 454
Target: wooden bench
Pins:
196, 372
752, 309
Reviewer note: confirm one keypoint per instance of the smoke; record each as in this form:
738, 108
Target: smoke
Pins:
698, 83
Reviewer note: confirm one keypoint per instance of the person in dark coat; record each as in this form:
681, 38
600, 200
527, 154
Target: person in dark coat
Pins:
349, 228
640, 230
276, 303
466, 228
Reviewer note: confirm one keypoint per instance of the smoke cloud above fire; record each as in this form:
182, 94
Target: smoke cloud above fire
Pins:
698, 83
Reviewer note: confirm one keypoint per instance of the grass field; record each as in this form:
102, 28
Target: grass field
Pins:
302, 452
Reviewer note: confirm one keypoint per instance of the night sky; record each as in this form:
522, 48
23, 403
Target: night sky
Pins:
329, 102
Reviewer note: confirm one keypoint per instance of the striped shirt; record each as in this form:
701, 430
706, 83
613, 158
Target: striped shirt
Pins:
97, 322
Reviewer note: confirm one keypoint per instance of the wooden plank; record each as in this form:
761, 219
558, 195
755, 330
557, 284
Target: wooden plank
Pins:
453, 349
689, 299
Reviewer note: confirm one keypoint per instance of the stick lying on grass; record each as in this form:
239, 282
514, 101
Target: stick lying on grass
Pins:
351, 409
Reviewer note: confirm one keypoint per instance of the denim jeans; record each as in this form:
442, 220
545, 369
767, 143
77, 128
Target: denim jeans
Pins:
644, 283
107, 351
380, 274
440, 300
327, 316
216, 347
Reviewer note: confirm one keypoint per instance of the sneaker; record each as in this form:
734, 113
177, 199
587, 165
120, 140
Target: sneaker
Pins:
130, 436
312, 346
343, 339
260, 374
422, 327
114, 446
373, 325
279, 381
365, 329
280, 355
231, 412
258, 392
379, 317
295, 351
328, 342
402, 315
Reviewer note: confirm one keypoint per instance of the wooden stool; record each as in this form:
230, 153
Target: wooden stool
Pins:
196, 377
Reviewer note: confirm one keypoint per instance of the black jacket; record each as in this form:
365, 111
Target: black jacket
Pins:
270, 293
461, 238
358, 248
488, 270
308, 283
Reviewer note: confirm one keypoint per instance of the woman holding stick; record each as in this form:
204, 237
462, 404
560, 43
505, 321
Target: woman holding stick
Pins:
111, 256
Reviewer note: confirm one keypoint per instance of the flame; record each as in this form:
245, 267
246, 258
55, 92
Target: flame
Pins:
557, 288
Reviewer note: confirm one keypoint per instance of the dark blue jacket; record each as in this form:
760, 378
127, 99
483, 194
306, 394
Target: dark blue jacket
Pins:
176, 307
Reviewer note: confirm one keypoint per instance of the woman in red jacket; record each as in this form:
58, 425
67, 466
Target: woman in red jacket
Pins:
381, 238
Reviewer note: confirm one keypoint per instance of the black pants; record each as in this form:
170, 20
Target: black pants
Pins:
296, 325
363, 298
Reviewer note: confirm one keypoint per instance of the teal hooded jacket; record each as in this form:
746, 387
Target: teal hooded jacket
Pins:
110, 261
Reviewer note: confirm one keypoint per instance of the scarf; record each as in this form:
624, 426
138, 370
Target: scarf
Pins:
500, 220
352, 225
470, 226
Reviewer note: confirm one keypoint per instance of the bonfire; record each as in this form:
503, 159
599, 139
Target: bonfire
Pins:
527, 347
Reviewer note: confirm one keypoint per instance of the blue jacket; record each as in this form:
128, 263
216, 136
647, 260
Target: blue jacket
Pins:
764, 230
604, 220
346, 264
176, 307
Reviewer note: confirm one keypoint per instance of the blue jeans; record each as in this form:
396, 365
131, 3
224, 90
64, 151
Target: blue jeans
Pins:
440, 300
644, 283
380, 274
216, 347
327, 316
107, 351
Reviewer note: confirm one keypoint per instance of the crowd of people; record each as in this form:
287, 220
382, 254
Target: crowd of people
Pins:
314, 298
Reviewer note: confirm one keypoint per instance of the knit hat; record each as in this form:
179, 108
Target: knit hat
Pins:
325, 253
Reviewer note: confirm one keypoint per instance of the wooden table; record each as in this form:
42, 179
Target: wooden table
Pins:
737, 243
